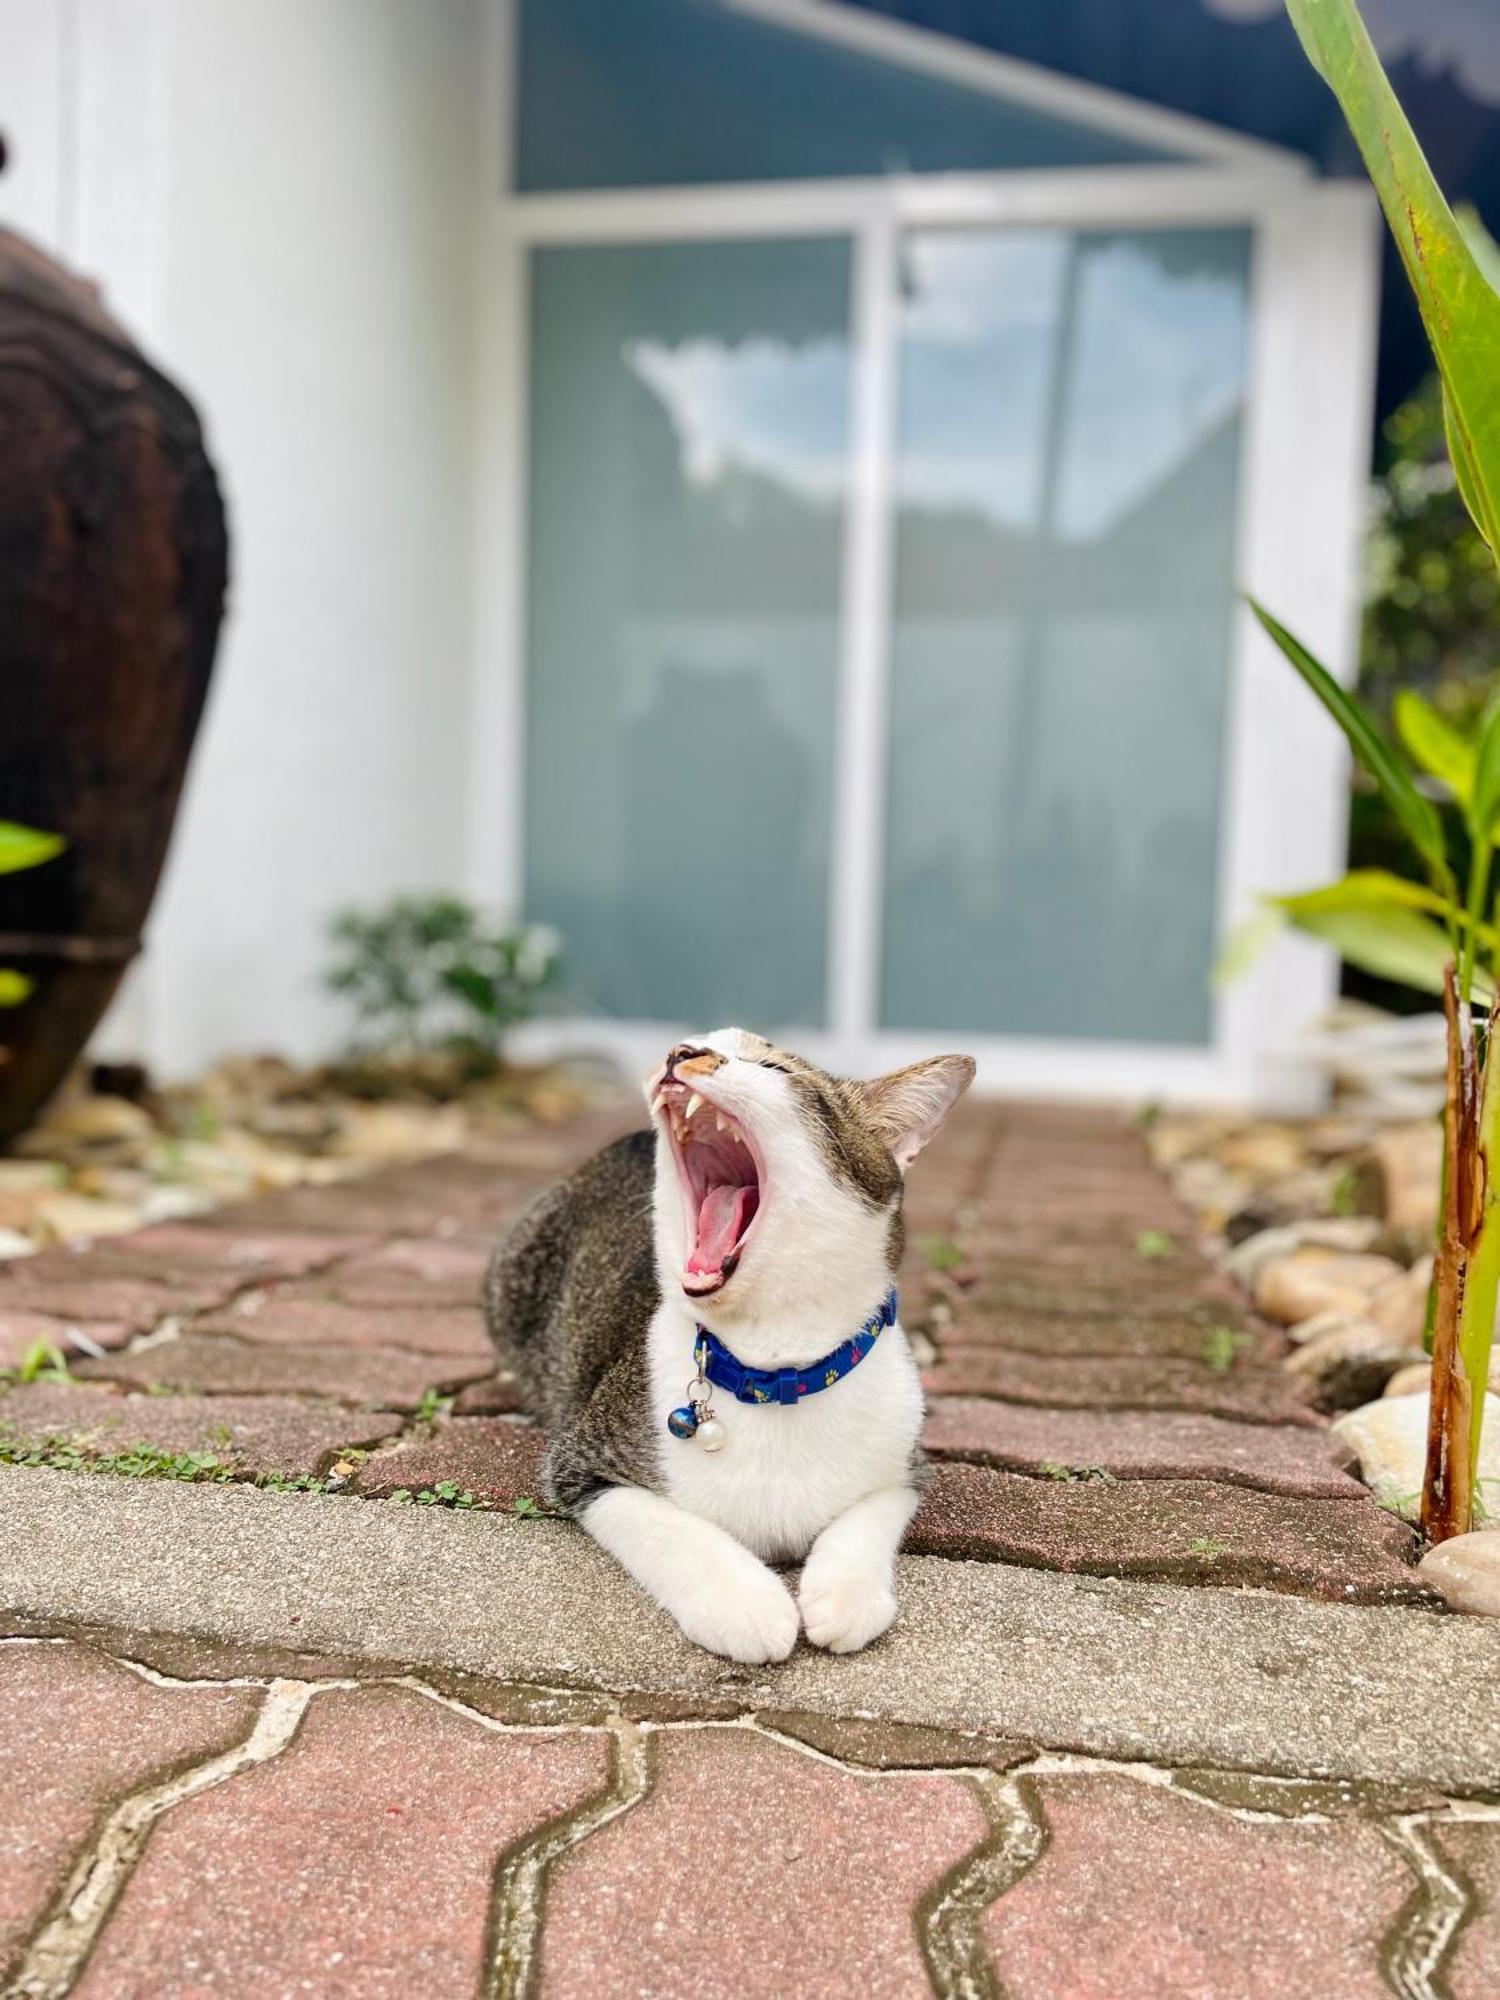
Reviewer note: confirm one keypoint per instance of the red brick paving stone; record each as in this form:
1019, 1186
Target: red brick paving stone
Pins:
1001, 1248
1003, 1288
426, 1271
360, 1207
1143, 1895
358, 1862
286, 1253
1069, 1382
70, 1284
20, 1332
81, 1733
1140, 1444
271, 1319
1345, 1550
254, 1433
751, 1869
1473, 1968
496, 1396
214, 1364
483, 1455
1137, 1337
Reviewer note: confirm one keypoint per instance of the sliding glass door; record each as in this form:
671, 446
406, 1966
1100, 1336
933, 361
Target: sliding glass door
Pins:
1066, 473
689, 414
1058, 473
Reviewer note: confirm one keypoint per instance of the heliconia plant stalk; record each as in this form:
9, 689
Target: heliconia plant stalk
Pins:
1436, 937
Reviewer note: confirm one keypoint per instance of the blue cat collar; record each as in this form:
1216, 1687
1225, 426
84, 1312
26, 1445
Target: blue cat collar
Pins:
787, 1386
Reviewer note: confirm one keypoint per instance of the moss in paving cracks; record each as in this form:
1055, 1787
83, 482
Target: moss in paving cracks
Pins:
1208, 1548
145, 1461
940, 1253
1153, 1243
1076, 1474
1222, 1347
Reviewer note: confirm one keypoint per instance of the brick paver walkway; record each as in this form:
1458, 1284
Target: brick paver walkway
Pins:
1102, 1402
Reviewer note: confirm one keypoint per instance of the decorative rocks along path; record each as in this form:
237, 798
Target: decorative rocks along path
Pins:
196, 1815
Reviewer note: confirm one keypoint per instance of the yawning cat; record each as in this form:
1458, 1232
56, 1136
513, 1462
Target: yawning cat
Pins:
703, 1319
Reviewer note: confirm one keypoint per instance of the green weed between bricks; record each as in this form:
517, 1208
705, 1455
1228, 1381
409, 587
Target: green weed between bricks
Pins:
1222, 1347
208, 1468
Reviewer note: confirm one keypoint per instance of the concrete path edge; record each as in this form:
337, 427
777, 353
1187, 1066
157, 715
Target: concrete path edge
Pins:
1238, 1680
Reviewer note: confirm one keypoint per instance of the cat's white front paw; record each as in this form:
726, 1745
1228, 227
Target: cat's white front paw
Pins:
748, 1615
843, 1610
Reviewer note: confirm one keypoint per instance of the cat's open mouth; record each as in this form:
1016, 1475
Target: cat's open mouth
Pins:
720, 1176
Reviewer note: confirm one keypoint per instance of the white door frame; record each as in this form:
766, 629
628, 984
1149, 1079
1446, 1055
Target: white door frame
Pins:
1304, 467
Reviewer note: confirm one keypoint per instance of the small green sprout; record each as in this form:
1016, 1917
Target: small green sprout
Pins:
1222, 1347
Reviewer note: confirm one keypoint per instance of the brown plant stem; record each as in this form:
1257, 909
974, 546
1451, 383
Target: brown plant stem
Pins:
1448, 1482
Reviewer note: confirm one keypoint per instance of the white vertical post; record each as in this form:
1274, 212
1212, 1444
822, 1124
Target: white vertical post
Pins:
497, 751
866, 603
1303, 505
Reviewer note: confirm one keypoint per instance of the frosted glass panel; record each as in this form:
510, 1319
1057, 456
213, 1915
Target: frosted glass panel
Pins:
1069, 450
689, 412
652, 93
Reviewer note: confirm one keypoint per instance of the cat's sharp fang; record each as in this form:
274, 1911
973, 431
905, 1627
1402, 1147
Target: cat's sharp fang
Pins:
694, 1106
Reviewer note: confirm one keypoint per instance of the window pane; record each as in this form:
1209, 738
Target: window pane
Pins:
651, 93
1069, 451
689, 408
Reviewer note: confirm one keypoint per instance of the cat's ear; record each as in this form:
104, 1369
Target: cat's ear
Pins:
907, 1107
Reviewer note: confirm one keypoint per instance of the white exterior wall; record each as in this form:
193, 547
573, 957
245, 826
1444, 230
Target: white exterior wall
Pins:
281, 198
298, 206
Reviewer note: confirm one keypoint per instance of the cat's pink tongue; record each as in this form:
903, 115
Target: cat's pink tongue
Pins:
721, 1222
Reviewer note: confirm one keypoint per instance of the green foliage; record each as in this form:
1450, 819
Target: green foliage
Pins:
1153, 1243
1460, 309
446, 1493
1416, 815
41, 1363
1075, 1475
435, 1403
62, 1453
940, 1253
22, 847
1432, 605
1222, 1347
433, 972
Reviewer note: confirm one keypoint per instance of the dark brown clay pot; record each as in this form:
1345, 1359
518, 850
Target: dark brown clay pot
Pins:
113, 560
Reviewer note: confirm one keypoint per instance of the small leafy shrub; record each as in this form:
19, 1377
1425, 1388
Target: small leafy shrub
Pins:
433, 972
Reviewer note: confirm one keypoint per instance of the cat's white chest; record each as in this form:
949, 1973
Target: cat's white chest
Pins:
784, 1473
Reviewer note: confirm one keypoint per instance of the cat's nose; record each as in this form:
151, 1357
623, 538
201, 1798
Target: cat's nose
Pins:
689, 1059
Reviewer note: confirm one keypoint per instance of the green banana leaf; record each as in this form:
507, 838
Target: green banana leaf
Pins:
1418, 817
24, 847
1459, 306
1433, 743
1391, 942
